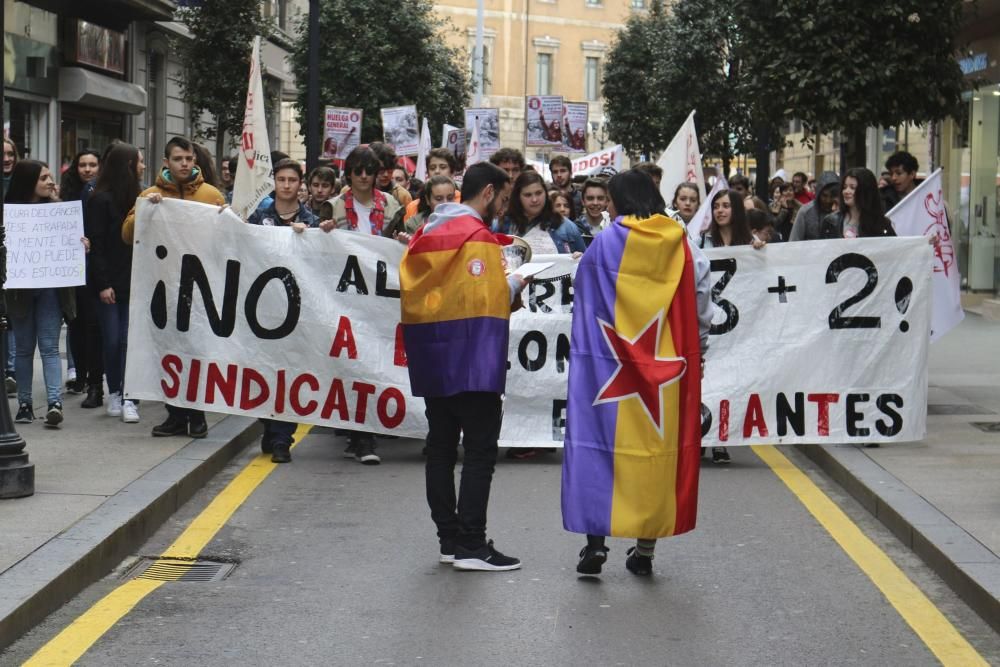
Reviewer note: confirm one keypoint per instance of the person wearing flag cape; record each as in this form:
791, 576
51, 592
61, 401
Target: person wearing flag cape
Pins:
642, 312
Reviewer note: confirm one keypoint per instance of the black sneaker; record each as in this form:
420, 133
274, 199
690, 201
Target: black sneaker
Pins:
75, 386
365, 452
198, 428
54, 415
351, 449
447, 551
720, 455
485, 559
281, 452
641, 566
266, 446
592, 559
25, 415
95, 397
172, 426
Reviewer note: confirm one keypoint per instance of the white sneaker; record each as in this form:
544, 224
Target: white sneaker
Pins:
115, 405
130, 413
71, 374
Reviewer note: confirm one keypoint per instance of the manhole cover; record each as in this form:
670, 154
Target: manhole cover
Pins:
174, 569
987, 427
957, 409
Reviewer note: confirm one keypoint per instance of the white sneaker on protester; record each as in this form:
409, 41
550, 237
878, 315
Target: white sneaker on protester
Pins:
130, 413
115, 405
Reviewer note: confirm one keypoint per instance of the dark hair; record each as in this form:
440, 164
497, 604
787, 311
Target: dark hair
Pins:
561, 161
324, 174
442, 154
72, 185
555, 193
206, 165
548, 218
233, 162
801, 174
904, 160
867, 200
594, 183
23, 182
760, 205
479, 175
785, 187
685, 185
17, 155
288, 163
739, 179
634, 193
119, 176
737, 222
425, 205
362, 156
654, 170
758, 219
278, 156
505, 155
177, 142
385, 153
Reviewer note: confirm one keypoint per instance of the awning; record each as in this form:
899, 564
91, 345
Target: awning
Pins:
81, 86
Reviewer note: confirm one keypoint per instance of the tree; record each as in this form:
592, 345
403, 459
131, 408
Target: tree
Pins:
215, 77
372, 57
846, 65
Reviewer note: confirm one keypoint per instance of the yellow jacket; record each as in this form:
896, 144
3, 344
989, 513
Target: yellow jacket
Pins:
196, 189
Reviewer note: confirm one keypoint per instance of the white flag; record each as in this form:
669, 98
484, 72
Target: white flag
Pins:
923, 213
681, 162
474, 151
703, 216
254, 179
422, 150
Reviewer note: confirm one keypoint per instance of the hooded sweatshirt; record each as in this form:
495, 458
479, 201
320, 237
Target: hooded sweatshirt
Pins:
195, 189
807, 222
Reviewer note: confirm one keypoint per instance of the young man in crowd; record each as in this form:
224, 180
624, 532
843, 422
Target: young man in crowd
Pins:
561, 169
458, 359
383, 181
902, 168
322, 186
595, 208
740, 184
510, 160
802, 194
440, 162
807, 221
179, 179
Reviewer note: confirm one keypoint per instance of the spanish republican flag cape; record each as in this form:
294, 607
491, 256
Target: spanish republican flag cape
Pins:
633, 420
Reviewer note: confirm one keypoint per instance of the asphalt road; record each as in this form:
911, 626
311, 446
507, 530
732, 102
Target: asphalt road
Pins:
338, 566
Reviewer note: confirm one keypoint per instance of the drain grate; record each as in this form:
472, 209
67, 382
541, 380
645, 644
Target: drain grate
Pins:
174, 569
987, 427
957, 409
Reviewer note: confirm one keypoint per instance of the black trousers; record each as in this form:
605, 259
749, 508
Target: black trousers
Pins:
85, 338
186, 414
475, 418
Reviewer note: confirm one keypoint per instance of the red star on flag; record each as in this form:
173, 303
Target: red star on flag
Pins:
640, 373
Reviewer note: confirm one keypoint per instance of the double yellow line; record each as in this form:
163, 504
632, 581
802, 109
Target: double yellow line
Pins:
67, 647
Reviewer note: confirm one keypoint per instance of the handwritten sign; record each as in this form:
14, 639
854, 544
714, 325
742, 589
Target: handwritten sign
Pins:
43, 245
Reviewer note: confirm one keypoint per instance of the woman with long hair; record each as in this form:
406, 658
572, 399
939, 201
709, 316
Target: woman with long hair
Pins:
37, 313
110, 265
82, 170
530, 216
438, 190
860, 213
686, 201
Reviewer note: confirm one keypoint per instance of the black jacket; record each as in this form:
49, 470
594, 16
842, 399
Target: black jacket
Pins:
832, 227
109, 263
890, 197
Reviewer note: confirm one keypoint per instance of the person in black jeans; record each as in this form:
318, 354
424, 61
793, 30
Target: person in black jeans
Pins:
458, 361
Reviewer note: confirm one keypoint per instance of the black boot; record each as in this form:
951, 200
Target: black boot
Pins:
95, 397
172, 426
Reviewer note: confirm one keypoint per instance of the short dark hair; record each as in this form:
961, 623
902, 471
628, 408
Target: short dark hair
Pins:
233, 162
479, 175
739, 179
288, 163
654, 170
177, 142
634, 193
904, 160
443, 154
324, 174
561, 161
594, 183
802, 175
505, 155
278, 156
758, 219
385, 153
361, 156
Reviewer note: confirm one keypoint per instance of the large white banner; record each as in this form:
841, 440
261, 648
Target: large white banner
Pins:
816, 342
44, 246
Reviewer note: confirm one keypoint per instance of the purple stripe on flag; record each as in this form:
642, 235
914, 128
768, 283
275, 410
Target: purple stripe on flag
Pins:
447, 358
588, 459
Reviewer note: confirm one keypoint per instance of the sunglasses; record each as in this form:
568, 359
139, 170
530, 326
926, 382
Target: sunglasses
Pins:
358, 171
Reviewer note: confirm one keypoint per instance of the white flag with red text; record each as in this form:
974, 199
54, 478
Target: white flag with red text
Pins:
681, 162
254, 180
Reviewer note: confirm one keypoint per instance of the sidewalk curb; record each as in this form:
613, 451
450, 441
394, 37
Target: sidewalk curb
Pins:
964, 563
40, 583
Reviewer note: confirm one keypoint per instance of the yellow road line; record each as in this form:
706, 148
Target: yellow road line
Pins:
76, 638
936, 631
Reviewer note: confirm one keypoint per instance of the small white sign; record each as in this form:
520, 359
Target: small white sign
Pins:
44, 246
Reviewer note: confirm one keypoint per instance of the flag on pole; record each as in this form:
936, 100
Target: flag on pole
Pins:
923, 213
681, 162
703, 216
254, 179
474, 151
422, 150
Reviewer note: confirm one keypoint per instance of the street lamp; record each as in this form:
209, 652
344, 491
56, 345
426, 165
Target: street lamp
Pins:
599, 130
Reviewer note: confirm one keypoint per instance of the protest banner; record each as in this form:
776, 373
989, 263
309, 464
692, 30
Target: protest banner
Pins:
588, 165
341, 132
453, 138
923, 213
812, 342
43, 245
574, 126
489, 129
253, 180
543, 121
401, 129
681, 162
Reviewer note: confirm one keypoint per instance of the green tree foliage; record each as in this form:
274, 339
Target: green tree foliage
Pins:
216, 62
845, 65
373, 56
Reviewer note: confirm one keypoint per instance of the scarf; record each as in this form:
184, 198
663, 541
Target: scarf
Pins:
377, 216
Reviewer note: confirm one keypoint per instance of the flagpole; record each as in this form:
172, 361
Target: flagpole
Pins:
312, 89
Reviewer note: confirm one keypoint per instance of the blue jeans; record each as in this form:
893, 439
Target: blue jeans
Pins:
11, 349
113, 318
40, 326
